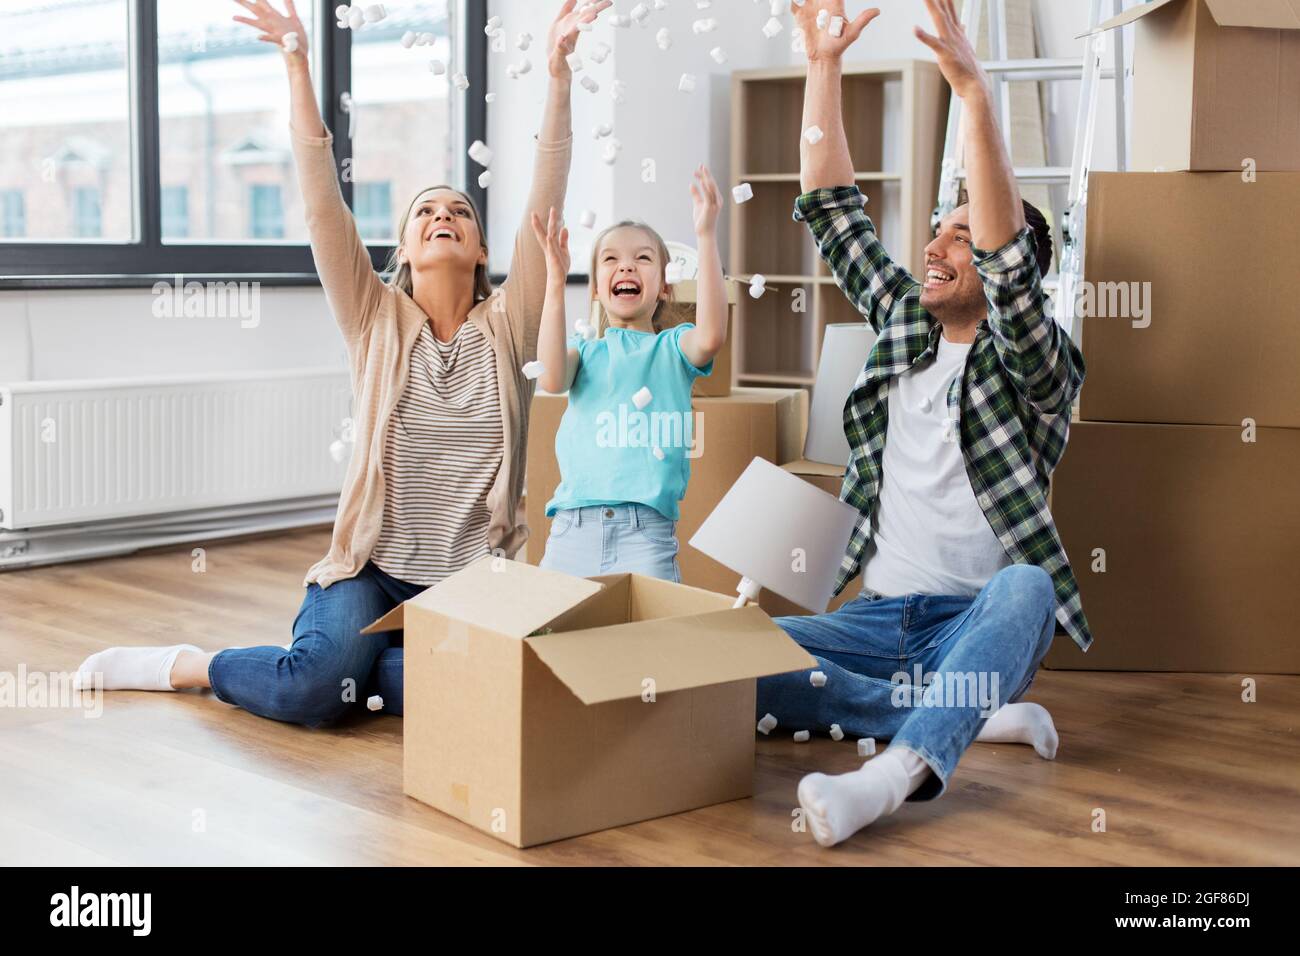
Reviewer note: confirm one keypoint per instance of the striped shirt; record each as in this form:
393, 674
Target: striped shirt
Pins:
441, 455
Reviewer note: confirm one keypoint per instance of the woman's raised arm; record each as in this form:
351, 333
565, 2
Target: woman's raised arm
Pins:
525, 286
342, 261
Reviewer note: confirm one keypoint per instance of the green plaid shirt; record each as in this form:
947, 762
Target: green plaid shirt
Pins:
1013, 401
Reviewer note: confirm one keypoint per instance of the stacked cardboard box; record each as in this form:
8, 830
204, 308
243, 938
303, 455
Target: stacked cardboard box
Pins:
1176, 497
729, 433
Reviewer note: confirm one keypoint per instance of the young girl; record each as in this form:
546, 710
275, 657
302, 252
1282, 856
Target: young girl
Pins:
622, 443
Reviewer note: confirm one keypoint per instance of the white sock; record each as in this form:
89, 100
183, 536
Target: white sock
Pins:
1022, 723
838, 807
132, 668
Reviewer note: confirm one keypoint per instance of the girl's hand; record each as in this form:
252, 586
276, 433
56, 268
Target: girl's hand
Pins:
957, 60
708, 203
818, 43
563, 38
553, 237
274, 25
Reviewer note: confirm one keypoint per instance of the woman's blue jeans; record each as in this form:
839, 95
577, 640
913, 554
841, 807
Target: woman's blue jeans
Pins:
968, 656
330, 668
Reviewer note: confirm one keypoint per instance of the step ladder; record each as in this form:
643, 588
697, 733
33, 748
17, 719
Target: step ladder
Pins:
1090, 70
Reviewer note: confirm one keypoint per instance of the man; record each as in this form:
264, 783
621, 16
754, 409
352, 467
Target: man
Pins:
955, 425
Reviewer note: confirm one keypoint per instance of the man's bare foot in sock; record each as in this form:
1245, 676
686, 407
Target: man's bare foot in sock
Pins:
839, 806
146, 668
1022, 723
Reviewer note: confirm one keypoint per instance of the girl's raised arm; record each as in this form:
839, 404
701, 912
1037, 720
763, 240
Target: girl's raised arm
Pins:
706, 340
559, 362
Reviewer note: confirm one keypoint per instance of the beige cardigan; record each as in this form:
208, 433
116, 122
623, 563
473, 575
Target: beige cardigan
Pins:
380, 324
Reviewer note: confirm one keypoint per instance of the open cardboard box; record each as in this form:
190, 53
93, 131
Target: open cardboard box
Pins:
1215, 83
541, 706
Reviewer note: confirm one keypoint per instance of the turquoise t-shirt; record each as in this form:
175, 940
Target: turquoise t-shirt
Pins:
605, 445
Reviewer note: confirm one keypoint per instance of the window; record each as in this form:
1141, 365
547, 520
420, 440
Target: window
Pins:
87, 213
176, 212
372, 204
65, 117
402, 113
146, 138
13, 214
265, 212
223, 119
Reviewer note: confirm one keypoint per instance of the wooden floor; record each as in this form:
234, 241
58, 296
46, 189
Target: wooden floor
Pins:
1185, 771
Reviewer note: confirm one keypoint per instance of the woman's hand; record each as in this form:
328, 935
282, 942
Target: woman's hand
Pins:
563, 38
553, 237
818, 43
957, 60
708, 203
273, 25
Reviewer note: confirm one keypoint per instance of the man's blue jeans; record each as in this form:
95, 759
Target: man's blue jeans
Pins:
330, 668
983, 652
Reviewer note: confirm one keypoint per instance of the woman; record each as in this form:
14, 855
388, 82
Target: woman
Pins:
441, 411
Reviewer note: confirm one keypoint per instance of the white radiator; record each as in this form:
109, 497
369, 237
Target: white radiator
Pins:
86, 452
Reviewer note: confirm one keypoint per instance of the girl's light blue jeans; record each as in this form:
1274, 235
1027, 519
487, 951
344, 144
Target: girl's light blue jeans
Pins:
613, 539
969, 656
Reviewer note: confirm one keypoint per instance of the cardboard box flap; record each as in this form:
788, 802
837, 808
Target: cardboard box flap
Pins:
505, 597
1128, 16
392, 621
612, 663
1268, 14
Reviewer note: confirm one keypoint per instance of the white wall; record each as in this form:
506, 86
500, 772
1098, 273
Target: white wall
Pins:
59, 334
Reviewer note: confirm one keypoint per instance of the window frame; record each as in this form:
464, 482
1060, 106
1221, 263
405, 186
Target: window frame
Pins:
147, 259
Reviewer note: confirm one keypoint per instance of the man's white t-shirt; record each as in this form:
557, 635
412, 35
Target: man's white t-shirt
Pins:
931, 536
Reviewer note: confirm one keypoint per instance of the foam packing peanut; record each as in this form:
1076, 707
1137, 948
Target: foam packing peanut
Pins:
290, 43
767, 724
801, 736
659, 453
837, 732
742, 193
817, 678
707, 25
601, 51
814, 135
480, 153
772, 27
642, 398
375, 12
836, 27
589, 84
574, 61
533, 370
485, 179
687, 83
408, 39
719, 55
823, 18
867, 747
375, 703
460, 81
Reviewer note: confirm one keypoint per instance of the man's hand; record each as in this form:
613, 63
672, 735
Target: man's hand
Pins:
957, 60
818, 43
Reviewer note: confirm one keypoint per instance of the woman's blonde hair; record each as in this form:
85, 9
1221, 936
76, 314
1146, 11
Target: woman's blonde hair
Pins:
400, 272
666, 315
